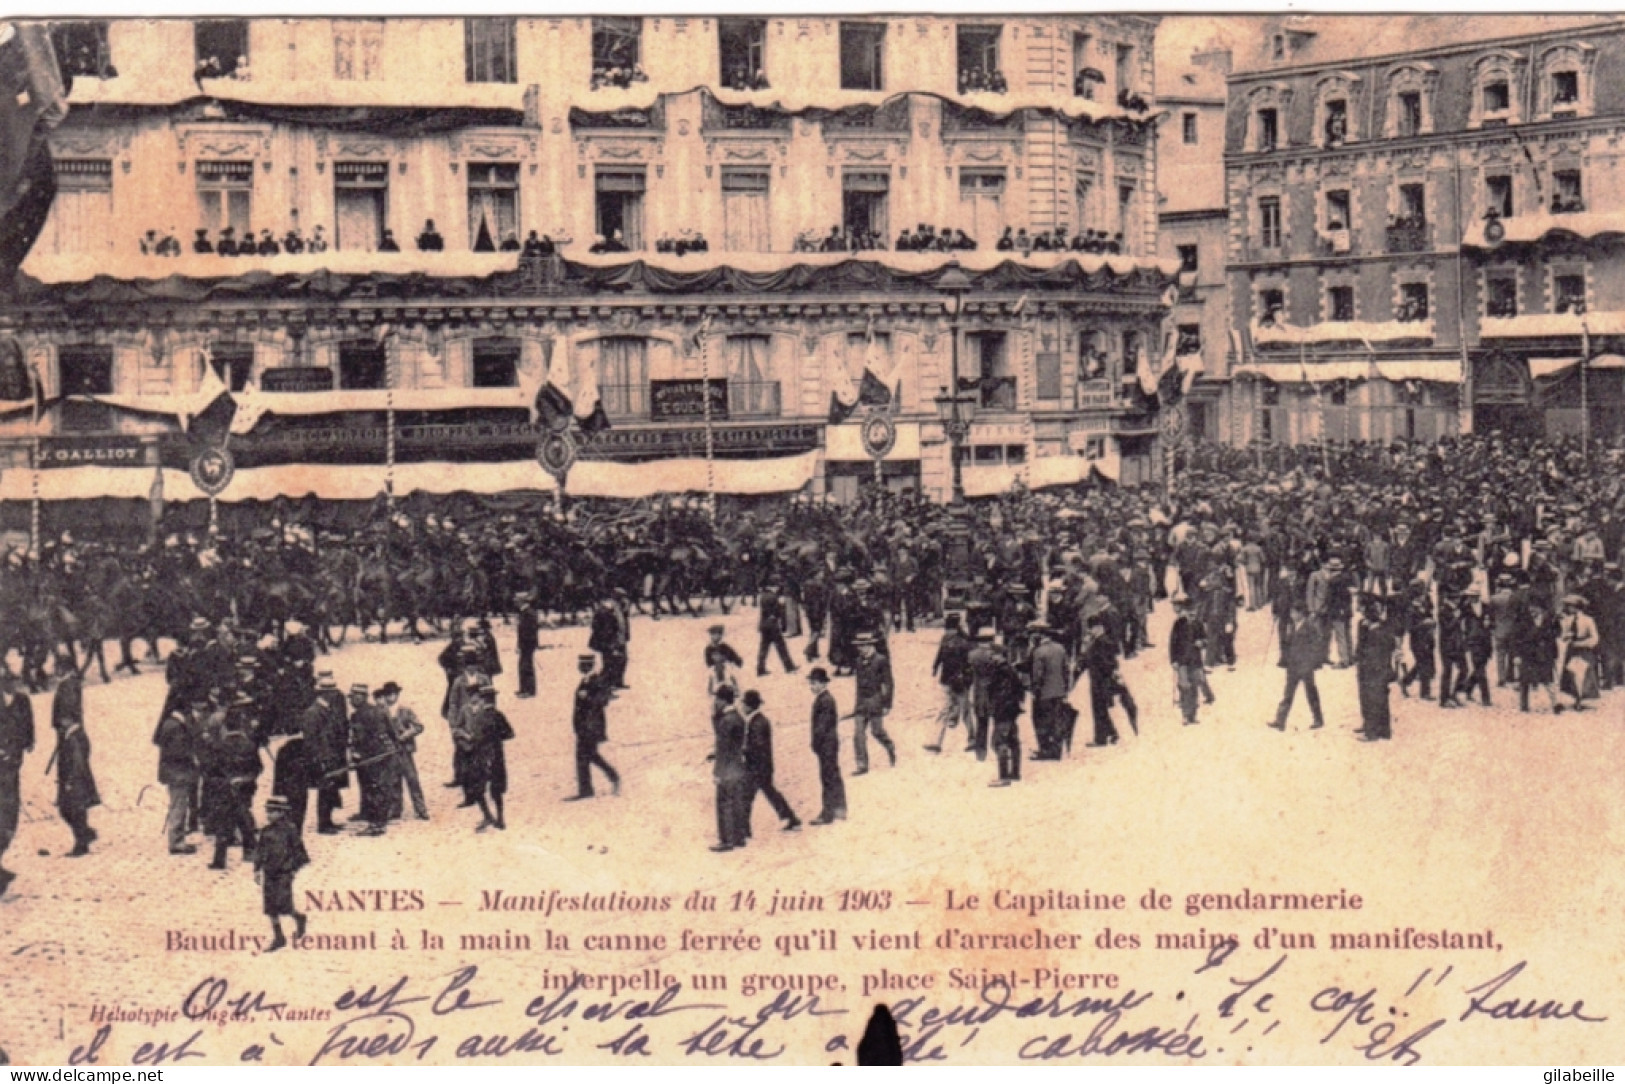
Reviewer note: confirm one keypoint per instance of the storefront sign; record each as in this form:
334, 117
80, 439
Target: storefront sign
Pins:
685, 399
99, 451
296, 380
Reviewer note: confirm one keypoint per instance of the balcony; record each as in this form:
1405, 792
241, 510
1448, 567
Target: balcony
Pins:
1408, 238
745, 399
996, 393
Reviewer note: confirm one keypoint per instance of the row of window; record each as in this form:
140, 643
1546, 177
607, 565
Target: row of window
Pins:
1407, 222
1562, 91
1568, 286
491, 55
624, 369
82, 218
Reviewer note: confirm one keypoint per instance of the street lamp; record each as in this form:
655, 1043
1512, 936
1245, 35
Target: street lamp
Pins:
1585, 399
956, 284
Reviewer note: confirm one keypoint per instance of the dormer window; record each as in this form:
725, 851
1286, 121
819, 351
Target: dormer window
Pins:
1410, 96
1565, 81
1268, 129
1336, 130
1498, 81
1565, 88
1410, 113
1266, 108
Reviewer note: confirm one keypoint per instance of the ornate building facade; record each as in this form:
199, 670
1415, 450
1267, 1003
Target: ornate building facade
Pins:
638, 210
1424, 226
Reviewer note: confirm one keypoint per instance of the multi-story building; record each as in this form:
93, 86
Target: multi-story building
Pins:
636, 208
1424, 216
1193, 218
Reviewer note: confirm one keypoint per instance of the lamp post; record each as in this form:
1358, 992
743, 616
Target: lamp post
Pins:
1585, 398
956, 284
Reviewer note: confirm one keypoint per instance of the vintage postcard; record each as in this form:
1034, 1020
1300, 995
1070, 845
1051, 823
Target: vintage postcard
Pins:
1137, 497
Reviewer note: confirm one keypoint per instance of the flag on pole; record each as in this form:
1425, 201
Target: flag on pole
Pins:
553, 405
1192, 366
1149, 376
213, 407
251, 407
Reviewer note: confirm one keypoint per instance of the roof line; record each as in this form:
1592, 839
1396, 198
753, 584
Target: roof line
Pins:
1616, 26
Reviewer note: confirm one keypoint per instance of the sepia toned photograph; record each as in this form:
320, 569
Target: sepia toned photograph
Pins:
590, 539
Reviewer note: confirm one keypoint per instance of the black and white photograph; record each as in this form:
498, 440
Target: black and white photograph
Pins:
956, 537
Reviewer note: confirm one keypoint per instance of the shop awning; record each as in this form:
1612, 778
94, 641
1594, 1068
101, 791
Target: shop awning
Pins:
1553, 325
1539, 367
1341, 331
1284, 372
589, 478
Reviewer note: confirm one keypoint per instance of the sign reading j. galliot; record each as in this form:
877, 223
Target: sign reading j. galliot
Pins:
101, 451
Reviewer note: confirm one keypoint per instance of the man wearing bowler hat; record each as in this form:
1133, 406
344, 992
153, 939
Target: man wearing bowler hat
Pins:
826, 746
591, 724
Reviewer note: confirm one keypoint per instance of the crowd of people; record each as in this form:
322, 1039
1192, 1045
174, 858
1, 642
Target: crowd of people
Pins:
1453, 570
1094, 242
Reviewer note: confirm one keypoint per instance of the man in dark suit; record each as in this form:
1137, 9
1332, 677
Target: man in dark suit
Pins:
770, 623
1185, 655
728, 769
1005, 696
76, 792
874, 701
1051, 684
526, 636
374, 743
591, 725
759, 765
826, 746
1303, 652
608, 638
1374, 669
16, 741
952, 668
325, 725
1099, 657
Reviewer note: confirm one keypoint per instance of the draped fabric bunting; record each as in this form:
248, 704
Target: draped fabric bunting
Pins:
80, 280
588, 478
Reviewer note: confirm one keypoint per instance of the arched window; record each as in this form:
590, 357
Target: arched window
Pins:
1498, 90
1565, 83
1410, 101
1336, 118
1267, 116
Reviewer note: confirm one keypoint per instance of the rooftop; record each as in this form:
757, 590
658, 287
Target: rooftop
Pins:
1316, 40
